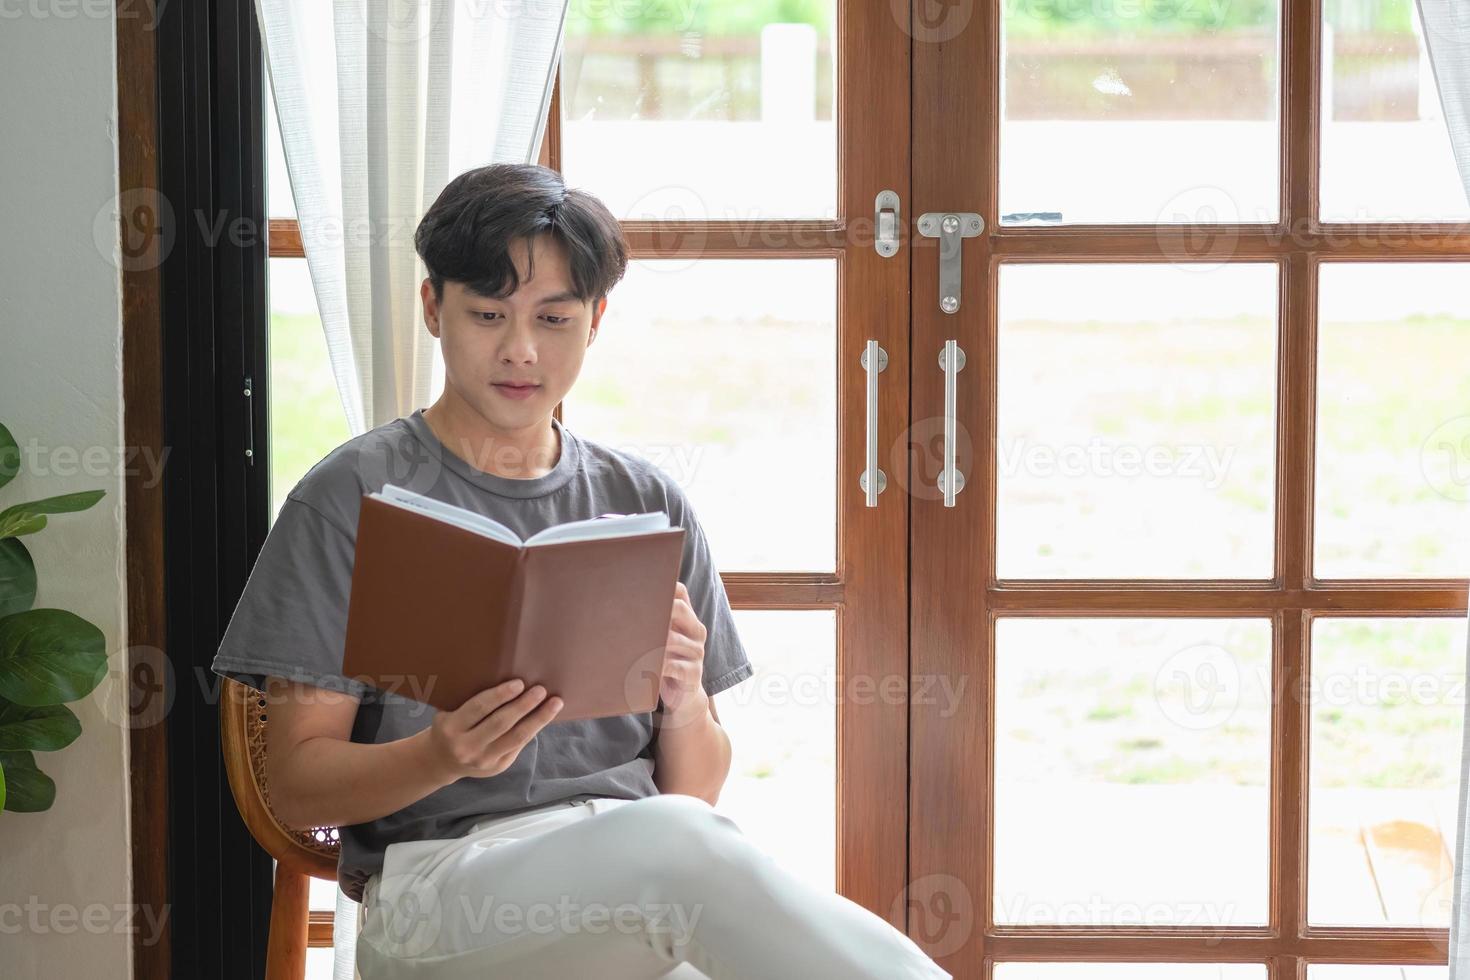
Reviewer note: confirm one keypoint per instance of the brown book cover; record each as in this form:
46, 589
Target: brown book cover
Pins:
439, 612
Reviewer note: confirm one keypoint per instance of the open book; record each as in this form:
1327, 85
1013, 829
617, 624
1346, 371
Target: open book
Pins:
446, 602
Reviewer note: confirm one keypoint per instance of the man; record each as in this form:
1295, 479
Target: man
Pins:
493, 840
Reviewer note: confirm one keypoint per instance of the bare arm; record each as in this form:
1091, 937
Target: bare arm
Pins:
320, 778
692, 752
693, 757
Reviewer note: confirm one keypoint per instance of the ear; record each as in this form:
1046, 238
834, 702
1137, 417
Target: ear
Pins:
431, 307
597, 312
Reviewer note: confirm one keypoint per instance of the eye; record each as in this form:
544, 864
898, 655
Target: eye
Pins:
557, 320
483, 313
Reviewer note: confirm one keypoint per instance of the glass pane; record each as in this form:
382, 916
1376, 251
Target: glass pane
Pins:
723, 372
782, 722
1136, 429
279, 202
715, 111
1132, 765
319, 963
1139, 113
1375, 971
1381, 115
1393, 420
1388, 703
306, 416
1130, 971
322, 895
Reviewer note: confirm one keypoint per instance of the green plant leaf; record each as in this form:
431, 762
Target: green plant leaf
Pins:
9, 456
17, 578
28, 789
27, 518
18, 524
48, 656
43, 729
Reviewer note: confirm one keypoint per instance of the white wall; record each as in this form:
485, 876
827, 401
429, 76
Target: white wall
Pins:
64, 873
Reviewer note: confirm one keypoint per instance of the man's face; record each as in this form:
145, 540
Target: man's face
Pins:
537, 335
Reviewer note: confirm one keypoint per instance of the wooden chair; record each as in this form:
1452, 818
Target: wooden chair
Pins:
300, 854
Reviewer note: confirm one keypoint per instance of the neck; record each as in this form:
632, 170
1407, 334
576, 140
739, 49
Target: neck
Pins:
515, 454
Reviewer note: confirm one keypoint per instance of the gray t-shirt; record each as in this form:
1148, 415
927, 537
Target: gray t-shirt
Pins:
292, 619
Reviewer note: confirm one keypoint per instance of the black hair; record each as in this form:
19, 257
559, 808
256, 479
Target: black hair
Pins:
467, 234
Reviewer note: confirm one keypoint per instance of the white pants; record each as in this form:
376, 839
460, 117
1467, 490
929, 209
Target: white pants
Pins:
664, 886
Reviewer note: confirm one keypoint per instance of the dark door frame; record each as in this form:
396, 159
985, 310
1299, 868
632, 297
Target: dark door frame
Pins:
192, 208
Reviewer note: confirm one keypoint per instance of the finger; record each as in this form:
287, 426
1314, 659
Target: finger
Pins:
682, 649
684, 673
525, 729
493, 725
486, 701
684, 612
686, 623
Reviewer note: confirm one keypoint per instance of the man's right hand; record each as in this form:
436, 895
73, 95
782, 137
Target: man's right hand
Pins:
483, 736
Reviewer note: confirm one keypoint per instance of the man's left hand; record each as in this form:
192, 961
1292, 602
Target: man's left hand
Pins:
681, 685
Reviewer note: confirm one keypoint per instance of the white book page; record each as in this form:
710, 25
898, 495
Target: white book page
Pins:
610, 526
448, 513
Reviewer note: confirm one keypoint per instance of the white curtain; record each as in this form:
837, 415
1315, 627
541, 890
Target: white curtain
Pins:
381, 103
1447, 36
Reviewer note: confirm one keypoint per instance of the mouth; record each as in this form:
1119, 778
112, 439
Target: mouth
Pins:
520, 391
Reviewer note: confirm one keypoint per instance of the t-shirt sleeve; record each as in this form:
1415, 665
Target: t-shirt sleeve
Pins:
725, 660
291, 620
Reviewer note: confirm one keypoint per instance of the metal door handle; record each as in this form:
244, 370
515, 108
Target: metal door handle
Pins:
874, 360
952, 362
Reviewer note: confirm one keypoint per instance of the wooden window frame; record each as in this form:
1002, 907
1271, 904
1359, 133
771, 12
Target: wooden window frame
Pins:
962, 748
1297, 244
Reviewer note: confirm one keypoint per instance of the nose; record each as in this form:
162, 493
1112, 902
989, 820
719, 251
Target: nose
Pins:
518, 345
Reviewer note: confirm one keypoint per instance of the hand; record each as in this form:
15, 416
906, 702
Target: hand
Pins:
483, 736
681, 685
